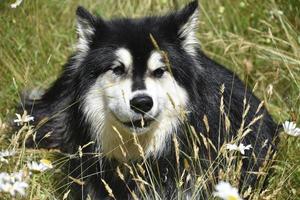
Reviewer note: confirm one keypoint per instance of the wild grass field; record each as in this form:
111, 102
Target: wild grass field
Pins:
257, 39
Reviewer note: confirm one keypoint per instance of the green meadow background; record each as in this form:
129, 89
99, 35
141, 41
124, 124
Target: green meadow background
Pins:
257, 39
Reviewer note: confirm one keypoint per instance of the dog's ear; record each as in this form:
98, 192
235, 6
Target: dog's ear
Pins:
86, 28
85, 23
186, 21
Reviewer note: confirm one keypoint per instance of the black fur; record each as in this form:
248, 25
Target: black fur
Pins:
200, 76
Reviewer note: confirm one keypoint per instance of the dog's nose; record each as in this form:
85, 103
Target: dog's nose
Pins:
141, 104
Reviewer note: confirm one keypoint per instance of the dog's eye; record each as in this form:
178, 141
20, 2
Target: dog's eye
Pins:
119, 69
158, 73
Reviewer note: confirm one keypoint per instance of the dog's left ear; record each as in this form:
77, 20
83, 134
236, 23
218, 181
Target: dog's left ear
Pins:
186, 20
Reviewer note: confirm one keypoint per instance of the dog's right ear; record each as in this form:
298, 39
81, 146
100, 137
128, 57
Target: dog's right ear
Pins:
84, 16
86, 29
85, 24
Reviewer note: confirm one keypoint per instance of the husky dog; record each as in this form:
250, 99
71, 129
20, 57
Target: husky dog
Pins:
141, 102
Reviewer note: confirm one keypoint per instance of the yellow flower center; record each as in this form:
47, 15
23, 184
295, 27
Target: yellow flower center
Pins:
46, 162
231, 197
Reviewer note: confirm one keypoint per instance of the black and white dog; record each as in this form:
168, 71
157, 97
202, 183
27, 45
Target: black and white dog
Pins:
137, 91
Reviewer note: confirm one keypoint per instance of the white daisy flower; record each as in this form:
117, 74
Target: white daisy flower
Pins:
291, 129
23, 119
4, 154
16, 4
42, 166
226, 192
13, 183
241, 148
18, 187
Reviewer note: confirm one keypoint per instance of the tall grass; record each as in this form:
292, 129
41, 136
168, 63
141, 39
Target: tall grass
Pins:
258, 40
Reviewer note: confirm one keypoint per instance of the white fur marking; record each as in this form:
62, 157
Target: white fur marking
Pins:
124, 56
155, 61
93, 109
188, 31
171, 100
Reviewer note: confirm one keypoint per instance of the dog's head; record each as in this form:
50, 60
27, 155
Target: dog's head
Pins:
136, 72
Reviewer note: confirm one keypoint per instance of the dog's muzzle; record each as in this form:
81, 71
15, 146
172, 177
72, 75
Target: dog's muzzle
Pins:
141, 105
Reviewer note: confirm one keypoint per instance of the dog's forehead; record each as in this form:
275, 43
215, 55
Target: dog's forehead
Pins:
134, 35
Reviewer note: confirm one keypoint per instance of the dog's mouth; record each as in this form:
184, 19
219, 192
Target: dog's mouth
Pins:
138, 125
141, 123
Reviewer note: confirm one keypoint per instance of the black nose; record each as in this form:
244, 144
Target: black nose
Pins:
141, 104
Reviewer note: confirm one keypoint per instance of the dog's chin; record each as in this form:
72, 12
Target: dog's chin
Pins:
139, 127
136, 127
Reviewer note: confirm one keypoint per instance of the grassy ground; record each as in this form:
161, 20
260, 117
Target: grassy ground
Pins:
259, 40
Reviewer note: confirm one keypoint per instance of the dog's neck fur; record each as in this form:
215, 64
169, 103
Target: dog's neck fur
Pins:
121, 145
